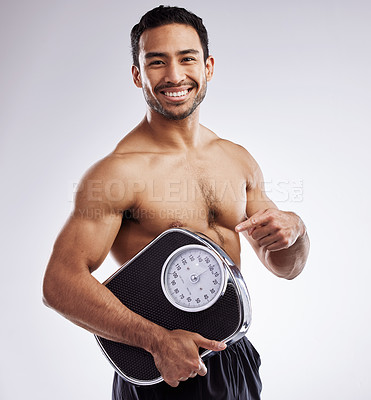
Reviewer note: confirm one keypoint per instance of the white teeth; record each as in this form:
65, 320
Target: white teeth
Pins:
176, 94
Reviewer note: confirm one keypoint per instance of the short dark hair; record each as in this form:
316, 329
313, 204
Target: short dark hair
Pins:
164, 15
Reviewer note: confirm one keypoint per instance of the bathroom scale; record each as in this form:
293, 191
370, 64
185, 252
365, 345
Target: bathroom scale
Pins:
180, 280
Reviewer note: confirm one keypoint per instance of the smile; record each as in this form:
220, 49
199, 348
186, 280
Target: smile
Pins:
176, 94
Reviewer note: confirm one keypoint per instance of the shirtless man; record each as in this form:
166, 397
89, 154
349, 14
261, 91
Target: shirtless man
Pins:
170, 171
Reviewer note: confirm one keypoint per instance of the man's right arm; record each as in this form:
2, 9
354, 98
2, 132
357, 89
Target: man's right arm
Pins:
80, 248
71, 290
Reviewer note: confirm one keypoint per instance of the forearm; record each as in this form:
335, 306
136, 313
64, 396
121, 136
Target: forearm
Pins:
288, 263
83, 300
280, 240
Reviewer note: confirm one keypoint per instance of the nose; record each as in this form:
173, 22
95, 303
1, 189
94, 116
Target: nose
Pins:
174, 73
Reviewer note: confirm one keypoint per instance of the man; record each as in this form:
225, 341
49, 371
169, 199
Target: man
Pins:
170, 171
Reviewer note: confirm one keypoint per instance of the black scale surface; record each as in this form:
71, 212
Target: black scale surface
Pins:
138, 286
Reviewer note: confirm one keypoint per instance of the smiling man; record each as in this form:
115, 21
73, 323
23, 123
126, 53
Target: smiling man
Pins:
163, 174
180, 101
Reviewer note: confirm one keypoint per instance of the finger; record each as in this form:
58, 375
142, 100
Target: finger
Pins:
277, 245
247, 225
172, 383
255, 220
267, 241
209, 344
202, 371
193, 374
182, 379
263, 231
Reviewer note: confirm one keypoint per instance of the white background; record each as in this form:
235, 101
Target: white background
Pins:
292, 85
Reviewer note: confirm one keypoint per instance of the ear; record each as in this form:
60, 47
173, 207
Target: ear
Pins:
136, 76
209, 68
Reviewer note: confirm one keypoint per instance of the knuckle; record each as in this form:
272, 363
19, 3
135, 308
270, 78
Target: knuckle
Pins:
281, 236
195, 366
274, 225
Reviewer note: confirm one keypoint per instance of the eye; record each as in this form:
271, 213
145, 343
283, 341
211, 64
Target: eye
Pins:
188, 59
156, 62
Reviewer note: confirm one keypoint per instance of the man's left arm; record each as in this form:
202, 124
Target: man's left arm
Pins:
279, 238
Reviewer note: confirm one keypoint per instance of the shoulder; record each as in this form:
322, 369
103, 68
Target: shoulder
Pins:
109, 181
124, 161
234, 149
242, 156
228, 146
113, 166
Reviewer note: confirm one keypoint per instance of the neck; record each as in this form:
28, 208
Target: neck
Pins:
177, 135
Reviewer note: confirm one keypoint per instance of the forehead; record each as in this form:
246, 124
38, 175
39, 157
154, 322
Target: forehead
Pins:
169, 39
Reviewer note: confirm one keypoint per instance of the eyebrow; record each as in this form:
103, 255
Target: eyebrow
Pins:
153, 54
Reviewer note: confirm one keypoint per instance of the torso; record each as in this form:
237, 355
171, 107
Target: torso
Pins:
204, 191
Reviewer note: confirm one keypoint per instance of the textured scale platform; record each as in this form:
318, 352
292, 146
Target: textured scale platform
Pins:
138, 286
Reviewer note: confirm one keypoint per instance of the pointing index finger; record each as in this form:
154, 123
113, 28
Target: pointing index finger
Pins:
251, 222
245, 225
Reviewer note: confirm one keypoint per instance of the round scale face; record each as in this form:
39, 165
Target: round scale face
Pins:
192, 278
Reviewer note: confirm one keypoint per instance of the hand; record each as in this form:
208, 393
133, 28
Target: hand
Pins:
177, 357
273, 229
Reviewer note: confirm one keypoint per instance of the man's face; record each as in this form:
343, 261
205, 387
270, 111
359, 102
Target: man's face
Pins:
172, 73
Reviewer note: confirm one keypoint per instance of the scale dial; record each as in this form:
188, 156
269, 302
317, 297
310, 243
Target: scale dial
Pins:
193, 278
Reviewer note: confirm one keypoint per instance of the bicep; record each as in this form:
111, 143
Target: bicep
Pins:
256, 197
256, 201
90, 231
79, 249
85, 241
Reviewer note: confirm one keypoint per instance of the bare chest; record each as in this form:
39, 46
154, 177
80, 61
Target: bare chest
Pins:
202, 194
205, 194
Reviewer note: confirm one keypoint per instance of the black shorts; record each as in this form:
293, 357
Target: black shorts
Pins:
232, 374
